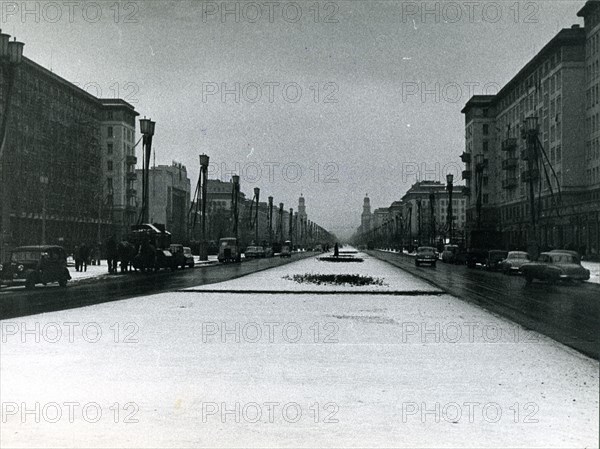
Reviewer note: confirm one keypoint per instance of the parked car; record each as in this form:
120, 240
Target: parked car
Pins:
229, 250
189, 257
179, 260
30, 265
269, 251
255, 252
514, 261
495, 259
449, 253
426, 255
286, 251
555, 266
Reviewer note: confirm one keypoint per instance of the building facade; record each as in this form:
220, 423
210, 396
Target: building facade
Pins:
52, 173
555, 92
117, 142
425, 224
169, 198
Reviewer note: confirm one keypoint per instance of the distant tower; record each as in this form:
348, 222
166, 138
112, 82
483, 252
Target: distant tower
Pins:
365, 219
301, 207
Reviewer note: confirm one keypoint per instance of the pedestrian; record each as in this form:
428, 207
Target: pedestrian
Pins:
336, 250
111, 254
76, 257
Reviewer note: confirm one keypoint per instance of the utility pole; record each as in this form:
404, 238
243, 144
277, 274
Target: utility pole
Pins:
532, 176
432, 211
281, 221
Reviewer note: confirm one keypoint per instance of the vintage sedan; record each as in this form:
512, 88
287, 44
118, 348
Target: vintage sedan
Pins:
514, 261
30, 265
494, 260
555, 266
426, 256
255, 252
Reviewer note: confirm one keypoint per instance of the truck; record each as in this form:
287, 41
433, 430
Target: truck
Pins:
480, 243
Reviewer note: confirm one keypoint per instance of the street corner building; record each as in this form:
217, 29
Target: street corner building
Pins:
67, 159
534, 147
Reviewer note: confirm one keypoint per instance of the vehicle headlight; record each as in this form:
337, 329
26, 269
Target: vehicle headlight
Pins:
20, 268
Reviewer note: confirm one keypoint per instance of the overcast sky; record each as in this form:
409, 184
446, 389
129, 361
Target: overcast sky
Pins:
360, 123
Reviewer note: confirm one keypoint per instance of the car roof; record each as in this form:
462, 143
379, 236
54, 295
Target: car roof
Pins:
37, 248
425, 248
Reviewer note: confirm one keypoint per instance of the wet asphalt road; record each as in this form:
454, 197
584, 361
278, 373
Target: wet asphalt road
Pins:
568, 313
20, 302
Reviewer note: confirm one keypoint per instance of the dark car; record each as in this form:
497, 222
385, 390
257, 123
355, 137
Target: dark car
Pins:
179, 259
514, 261
426, 256
30, 265
189, 257
255, 252
495, 259
449, 253
555, 266
229, 250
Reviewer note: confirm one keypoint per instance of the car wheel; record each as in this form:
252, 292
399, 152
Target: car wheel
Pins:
417, 264
62, 283
528, 279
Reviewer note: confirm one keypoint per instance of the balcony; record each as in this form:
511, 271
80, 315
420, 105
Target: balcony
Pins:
130, 160
510, 163
509, 183
131, 176
466, 158
528, 175
509, 144
131, 192
466, 174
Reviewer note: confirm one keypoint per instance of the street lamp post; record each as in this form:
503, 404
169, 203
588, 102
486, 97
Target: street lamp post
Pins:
410, 237
204, 160
532, 131
271, 221
147, 130
290, 226
450, 187
479, 167
281, 222
257, 196
235, 194
432, 212
11, 56
44, 183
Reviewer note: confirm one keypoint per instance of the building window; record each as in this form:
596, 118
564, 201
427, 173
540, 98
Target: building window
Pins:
109, 165
109, 148
109, 131
109, 184
486, 146
486, 130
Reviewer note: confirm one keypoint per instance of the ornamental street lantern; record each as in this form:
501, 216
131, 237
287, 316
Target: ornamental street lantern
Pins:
147, 130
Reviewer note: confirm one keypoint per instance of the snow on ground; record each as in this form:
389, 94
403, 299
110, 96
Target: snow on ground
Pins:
197, 369
594, 268
274, 279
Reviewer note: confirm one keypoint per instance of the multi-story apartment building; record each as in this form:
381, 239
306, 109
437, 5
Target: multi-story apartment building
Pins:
53, 177
169, 198
418, 221
550, 91
117, 142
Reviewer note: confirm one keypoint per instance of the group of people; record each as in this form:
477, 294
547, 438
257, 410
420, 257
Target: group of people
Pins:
85, 255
